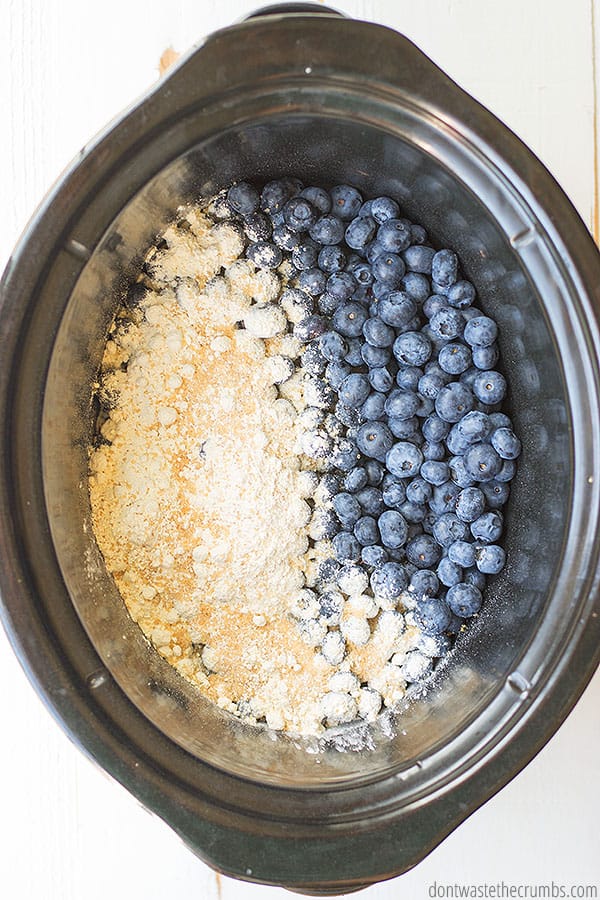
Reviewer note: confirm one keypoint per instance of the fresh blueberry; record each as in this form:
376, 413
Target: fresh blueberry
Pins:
346, 547
310, 328
354, 355
341, 285
431, 384
374, 555
335, 373
404, 429
381, 379
444, 497
375, 471
455, 358
397, 309
453, 402
461, 294
275, 195
312, 281
373, 408
401, 404
507, 471
299, 214
434, 304
356, 479
496, 493
360, 232
408, 378
433, 450
243, 199
482, 462
416, 286
384, 208
412, 348
389, 581
480, 331
345, 201
264, 254
468, 378
418, 234
458, 472
449, 529
333, 346
331, 259
371, 501
446, 324
489, 387
444, 268
373, 250
413, 513
327, 230
347, 508
464, 600
418, 491
432, 615
327, 304
435, 472
363, 273
393, 529
354, 390
394, 235
313, 360
319, 198
448, 572
491, 559
456, 442
374, 439
345, 455
419, 259
388, 270
366, 531
506, 444
349, 319
375, 357
462, 553
475, 577
305, 255
475, 426
404, 459
485, 357
424, 583
470, 504
423, 551
500, 420
284, 238
257, 227
377, 333
487, 528
434, 428
394, 494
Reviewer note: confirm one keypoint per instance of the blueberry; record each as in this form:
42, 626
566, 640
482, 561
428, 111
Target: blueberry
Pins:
490, 559
394, 235
394, 495
453, 402
418, 491
333, 426
304, 256
333, 346
444, 268
475, 426
489, 387
468, 378
482, 462
412, 348
434, 428
500, 420
475, 577
327, 304
366, 531
312, 281
464, 600
374, 407
419, 259
381, 379
374, 555
496, 493
345, 201
432, 615
444, 497
506, 444
408, 378
349, 319
388, 270
397, 309
373, 250
404, 429
507, 471
310, 328
389, 581
418, 235
243, 199
347, 508
331, 606
275, 195
448, 572
327, 230
319, 198
393, 529
423, 551
455, 358
354, 390
323, 525
313, 360
447, 324
485, 357
332, 259
354, 355
456, 442
375, 357
360, 232
384, 208
374, 439
480, 331
264, 254
423, 583
404, 459
363, 274
470, 504
487, 528
449, 529
434, 304
341, 285
346, 547
401, 404
461, 294
374, 471
335, 373
377, 333
296, 304
257, 227
458, 472
416, 286
433, 450
299, 214
413, 513
356, 479
347, 415
435, 472
285, 238
371, 501
462, 553
431, 384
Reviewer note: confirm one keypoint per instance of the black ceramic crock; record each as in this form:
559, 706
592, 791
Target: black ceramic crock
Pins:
327, 99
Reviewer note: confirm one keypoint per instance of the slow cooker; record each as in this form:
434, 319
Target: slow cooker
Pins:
307, 93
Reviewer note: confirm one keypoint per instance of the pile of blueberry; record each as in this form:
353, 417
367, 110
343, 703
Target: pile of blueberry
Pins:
406, 397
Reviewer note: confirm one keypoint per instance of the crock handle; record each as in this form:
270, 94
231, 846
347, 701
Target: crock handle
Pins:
277, 9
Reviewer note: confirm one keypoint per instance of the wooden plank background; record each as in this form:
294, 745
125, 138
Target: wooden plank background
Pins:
66, 830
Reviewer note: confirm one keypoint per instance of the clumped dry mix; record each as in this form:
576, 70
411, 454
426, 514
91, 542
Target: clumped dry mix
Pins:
297, 482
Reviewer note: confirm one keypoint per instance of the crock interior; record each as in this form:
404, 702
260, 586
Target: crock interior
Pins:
492, 239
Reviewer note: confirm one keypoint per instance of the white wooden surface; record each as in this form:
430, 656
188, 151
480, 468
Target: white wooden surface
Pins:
66, 67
